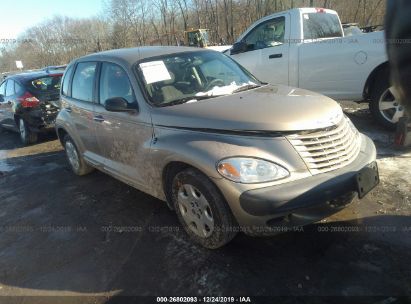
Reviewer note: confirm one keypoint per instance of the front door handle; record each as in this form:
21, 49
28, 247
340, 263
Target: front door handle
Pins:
275, 56
68, 109
98, 118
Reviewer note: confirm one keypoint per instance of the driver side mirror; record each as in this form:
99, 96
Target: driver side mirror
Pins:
118, 104
1, 98
238, 47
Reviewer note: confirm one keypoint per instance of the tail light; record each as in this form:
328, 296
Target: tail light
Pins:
28, 101
320, 10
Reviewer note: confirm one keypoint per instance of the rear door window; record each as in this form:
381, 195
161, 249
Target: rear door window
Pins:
83, 81
10, 88
46, 84
321, 25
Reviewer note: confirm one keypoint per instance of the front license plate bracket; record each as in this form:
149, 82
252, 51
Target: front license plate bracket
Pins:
367, 179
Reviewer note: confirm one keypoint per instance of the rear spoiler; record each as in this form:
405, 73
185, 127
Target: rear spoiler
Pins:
54, 67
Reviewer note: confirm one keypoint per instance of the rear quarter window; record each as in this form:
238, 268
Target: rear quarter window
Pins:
10, 88
321, 25
46, 84
18, 88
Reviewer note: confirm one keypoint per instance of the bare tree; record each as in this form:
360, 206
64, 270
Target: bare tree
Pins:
126, 23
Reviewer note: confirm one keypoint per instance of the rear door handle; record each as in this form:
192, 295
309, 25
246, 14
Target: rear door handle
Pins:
275, 56
98, 118
68, 109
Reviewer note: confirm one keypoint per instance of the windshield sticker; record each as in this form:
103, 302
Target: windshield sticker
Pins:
306, 17
155, 71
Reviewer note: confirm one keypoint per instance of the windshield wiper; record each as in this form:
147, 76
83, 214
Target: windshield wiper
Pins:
246, 88
184, 100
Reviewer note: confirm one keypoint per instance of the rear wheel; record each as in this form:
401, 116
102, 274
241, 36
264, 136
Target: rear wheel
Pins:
384, 105
76, 161
202, 210
27, 137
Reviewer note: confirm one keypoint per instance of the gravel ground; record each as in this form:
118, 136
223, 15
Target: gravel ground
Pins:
94, 238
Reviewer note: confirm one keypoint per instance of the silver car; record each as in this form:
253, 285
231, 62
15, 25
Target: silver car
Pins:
225, 151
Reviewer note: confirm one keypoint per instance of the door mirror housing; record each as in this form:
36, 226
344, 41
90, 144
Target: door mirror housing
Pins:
1, 98
117, 104
238, 47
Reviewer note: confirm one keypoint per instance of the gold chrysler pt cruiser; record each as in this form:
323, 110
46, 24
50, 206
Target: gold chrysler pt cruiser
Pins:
227, 152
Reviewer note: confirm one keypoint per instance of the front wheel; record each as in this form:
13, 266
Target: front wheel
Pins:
202, 210
27, 137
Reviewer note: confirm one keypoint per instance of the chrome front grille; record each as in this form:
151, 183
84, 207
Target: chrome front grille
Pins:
327, 149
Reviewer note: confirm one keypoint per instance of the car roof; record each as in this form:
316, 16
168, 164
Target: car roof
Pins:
30, 75
132, 55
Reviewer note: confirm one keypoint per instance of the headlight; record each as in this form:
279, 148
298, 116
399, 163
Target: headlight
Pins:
250, 170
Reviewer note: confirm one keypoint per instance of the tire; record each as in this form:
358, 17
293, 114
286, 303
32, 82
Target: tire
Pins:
27, 137
202, 210
384, 107
74, 158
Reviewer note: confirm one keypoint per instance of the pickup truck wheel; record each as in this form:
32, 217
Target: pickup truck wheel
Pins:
27, 137
384, 106
76, 161
202, 210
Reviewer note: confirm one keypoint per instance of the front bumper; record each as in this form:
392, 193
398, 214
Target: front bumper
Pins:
291, 205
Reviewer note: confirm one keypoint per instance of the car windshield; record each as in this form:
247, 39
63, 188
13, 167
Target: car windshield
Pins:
192, 76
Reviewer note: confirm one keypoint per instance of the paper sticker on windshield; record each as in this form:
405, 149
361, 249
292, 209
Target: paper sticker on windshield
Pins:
306, 16
155, 71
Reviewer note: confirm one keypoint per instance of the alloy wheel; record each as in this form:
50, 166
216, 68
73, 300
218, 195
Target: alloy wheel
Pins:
72, 155
389, 106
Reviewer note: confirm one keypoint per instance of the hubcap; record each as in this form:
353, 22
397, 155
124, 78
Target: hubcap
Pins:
72, 156
195, 210
22, 129
389, 106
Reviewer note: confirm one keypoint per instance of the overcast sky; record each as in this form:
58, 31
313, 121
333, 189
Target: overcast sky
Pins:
18, 15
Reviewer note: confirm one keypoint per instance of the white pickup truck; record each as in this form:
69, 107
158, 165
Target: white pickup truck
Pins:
306, 48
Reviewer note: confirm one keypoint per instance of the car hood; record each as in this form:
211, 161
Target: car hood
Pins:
269, 108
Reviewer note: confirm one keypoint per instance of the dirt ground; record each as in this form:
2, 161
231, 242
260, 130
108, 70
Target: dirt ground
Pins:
63, 235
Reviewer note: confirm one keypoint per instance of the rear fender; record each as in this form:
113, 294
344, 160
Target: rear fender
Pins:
63, 126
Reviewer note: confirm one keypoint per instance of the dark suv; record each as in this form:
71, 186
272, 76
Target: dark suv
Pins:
29, 103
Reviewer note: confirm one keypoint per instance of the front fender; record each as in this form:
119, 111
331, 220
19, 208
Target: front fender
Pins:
203, 151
